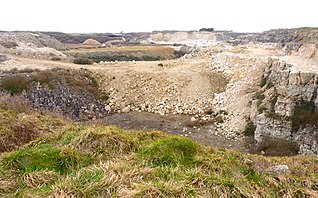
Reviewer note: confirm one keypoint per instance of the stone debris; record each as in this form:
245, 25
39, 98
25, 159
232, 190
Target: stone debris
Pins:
279, 169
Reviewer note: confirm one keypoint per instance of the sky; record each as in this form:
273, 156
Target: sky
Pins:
100, 16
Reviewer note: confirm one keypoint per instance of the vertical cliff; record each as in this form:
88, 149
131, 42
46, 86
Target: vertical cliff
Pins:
288, 108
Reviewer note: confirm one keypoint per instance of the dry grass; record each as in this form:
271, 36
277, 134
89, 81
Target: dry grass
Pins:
20, 123
17, 103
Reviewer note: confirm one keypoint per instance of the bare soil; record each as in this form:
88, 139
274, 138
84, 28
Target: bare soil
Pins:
174, 124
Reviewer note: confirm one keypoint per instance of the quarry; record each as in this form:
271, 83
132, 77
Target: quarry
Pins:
246, 100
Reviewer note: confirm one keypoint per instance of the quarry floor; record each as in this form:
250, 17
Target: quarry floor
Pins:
227, 76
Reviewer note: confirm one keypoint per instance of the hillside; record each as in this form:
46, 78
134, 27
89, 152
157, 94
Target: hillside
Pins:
96, 160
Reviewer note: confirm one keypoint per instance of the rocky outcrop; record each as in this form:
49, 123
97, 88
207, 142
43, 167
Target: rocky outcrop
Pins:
290, 96
71, 93
73, 104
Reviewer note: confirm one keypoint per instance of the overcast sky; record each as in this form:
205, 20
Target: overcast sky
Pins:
146, 15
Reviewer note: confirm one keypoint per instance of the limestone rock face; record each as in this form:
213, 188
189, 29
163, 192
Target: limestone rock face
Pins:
270, 127
291, 86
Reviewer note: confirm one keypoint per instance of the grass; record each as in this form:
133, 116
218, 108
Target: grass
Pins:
103, 161
44, 157
171, 151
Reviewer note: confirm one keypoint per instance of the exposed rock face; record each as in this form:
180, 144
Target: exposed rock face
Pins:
289, 87
73, 104
72, 93
270, 127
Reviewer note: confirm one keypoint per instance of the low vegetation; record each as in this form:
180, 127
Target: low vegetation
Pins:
305, 113
101, 161
249, 129
277, 147
82, 80
83, 61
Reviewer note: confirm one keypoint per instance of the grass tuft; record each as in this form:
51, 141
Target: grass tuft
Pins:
171, 151
44, 157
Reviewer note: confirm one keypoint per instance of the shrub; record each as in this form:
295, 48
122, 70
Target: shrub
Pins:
304, 113
45, 77
171, 151
15, 84
249, 129
83, 61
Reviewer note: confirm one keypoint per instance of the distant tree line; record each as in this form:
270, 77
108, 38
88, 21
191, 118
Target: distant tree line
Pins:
207, 29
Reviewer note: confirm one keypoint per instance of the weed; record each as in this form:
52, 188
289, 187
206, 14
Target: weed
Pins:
260, 96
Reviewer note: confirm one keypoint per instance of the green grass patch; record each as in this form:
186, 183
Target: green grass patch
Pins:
171, 151
45, 157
